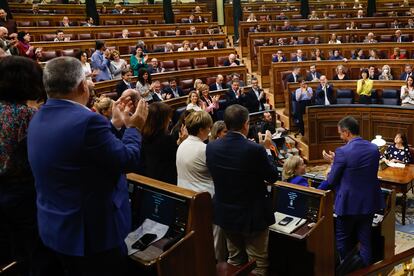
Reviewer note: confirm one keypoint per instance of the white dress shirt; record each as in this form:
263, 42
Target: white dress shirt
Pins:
192, 170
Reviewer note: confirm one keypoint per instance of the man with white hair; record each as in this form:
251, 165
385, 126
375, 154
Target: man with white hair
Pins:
8, 46
370, 38
79, 168
219, 84
232, 61
324, 94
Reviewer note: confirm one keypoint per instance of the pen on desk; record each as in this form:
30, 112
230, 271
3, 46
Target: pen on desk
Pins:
297, 223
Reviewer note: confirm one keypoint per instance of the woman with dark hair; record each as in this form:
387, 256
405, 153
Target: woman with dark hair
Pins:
407, 92
25, 49
20, 83
83, 57
159, 147
138, 60
364, 87
399, 152
143, 85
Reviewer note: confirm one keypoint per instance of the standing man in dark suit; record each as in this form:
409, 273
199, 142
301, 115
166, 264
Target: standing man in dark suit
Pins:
125, 82
408, 71
242, 206
79, 168
173, 90
324, 94
255, 98
219, 84
354, 178
233, 94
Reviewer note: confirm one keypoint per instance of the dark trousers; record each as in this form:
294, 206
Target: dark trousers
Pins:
363, 99
353, 229
18, 228
108, 263
300, 111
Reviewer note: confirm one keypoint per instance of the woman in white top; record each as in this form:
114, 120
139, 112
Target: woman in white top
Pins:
334, 40
407, 92
83, 57
385, 73
144, 84
192, 171
200, 46
117, 65
193, 101
186, 46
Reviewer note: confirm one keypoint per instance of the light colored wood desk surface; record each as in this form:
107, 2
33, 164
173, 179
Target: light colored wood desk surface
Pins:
397, 175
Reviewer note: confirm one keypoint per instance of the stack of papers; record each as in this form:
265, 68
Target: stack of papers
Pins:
290, 227
395, 165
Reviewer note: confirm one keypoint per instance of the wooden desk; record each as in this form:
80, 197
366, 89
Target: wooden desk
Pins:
399, 180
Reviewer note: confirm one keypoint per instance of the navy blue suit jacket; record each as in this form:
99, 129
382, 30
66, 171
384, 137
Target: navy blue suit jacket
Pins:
295, 58
79, 168
239, 168
320, 95
354, 178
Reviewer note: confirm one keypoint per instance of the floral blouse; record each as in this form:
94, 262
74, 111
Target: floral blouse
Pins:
402, 155
14, 122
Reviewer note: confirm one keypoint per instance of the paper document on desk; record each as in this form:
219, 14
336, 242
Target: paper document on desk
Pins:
290, 227
148, 226
394, 164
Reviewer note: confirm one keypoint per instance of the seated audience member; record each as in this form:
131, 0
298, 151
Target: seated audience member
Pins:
174, 90
360, 14
232, 61
218, 131
255, 98
177, 32
35, 9
364, 87
303, 97
278, 57
294, 76
385, 73
197, 82
125, 82
118, 64
168, 48
125, 33
317, 55
399, 152
8, 45
313, 75
396, 25
60, 36
20, 82
65, 22
138, 60
193, 101
407, 92
38, 57
212, 45
103, 105
155, 67
299, 56
294, 40
251, 18
281, 42
25, 49
156, 93
200, 46
324, 94
74, 147
372, 74
219, 84
83, 57
398, 37
397, 54
233, 94
143, 85
408, 71
192, 171
337, 56
235, 77
118, 9
293, 169
197, 9
287, 27
208, 103
357, 5
352, 26
313, 16
325, 15
334, 40
340, 73
266, 123
373, 54
358, 54
410, 24
185, 47
103, 10
149, 33
100, 61
370, 38
159, 147
88, 22
281, 16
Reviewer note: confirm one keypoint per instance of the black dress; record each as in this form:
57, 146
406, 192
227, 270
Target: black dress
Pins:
402, 155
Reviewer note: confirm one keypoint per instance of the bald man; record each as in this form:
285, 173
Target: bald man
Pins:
232, 61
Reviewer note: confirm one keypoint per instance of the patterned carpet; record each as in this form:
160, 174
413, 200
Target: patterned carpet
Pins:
404, 234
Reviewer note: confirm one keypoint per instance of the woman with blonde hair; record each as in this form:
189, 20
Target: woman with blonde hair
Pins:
208, 103
293, 169
197, 82
193, 101
385, 73
103, 105
218, 130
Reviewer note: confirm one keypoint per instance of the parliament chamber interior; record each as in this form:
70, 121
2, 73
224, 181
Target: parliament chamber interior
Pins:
224, 137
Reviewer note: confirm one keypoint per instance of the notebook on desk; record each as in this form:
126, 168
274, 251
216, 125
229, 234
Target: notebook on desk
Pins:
293, 224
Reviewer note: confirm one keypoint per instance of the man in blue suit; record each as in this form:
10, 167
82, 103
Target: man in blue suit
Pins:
242, 207
100, 61
79, 168
358, 193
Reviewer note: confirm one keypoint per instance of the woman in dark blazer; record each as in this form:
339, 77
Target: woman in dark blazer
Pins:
159, 147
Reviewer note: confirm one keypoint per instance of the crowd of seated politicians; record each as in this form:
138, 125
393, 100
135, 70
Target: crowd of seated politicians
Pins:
365, 89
